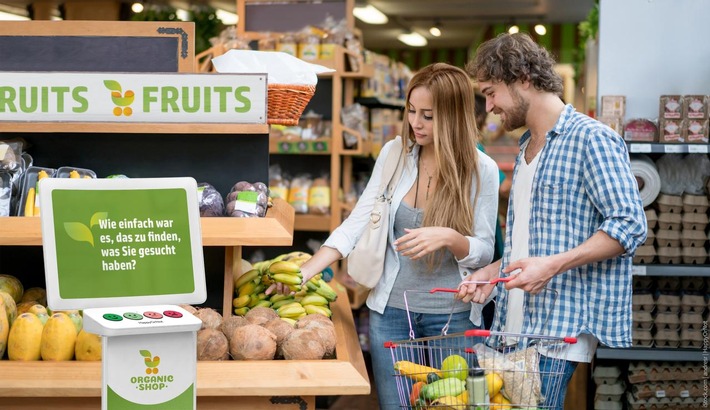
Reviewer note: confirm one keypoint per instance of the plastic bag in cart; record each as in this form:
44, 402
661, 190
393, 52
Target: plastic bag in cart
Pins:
519, 369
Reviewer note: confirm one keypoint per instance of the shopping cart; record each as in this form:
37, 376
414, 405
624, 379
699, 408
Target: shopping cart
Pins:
479, 369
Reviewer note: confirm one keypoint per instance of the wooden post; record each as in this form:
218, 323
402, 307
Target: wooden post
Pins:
42, 9
103, 10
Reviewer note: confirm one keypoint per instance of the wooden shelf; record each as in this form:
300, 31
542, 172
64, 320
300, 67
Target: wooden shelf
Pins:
312, 223
344, 375
134, 128
273, 230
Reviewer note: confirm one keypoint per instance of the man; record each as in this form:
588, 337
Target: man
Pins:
574, 220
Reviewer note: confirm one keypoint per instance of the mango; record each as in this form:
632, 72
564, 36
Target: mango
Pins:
88, 346
495, 383
10, 306
25, 338
58, 338
38, 295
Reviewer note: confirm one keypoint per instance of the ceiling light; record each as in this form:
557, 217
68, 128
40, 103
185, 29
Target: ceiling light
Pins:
228, 19
182, 14
370, 15
137, 7
435, 31
412, 39
513, 29
540, 29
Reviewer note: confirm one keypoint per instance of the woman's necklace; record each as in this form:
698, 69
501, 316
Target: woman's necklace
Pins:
428, 184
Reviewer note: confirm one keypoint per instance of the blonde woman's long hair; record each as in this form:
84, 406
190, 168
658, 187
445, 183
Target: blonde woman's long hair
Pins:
455, 147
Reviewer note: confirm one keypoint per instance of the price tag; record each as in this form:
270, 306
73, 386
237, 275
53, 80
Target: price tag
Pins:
319, 146
660, 394
698, 149
638, 270
673, 149
684, 394
639, 148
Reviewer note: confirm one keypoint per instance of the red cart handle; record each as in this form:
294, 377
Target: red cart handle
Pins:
483, 282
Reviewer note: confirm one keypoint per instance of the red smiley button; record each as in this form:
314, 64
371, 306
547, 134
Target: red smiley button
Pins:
152, 315
173, 314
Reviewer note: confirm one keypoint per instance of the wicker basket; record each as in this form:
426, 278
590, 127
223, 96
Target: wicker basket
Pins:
287, 102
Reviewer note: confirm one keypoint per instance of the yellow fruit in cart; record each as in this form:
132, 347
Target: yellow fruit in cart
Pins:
463, 397
448, 403
495, 383
25, 338
499, 402
88, 346
454, 366
58, 338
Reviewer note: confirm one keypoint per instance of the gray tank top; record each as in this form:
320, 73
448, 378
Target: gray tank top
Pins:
415, 275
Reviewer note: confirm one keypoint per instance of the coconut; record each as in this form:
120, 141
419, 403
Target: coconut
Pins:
261, 315
211, 319
317, 317
325, 332
190, 309
212, 345
231, 323
303, 344
252, 342
281, 329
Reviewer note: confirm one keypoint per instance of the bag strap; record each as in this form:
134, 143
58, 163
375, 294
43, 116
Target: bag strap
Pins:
392, 169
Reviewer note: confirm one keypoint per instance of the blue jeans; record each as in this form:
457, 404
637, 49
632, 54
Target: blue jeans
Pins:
554, 389
394, 326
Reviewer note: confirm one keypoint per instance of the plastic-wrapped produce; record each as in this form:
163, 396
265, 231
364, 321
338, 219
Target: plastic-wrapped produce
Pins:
5, 193
247, 200
211, 202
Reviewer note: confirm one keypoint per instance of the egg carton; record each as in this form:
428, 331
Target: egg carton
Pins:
666, 238
691, 320
695, 222
668, 302
642, 371
669, 256
697, 204
650, 238
642, 302
693, 238
694, 256
666, 338
691, 338
668, 221
644, 283
669, 204
606, 374
692, 283
694, 302
667, 321
601, 403
643, 320
642, 338
651, 218
611, 392
668, 283
644, 255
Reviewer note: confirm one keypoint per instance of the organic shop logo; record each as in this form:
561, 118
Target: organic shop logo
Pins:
122, 100
152, 381
151, 362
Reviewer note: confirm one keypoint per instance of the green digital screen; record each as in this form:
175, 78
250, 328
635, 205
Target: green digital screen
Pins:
122, 243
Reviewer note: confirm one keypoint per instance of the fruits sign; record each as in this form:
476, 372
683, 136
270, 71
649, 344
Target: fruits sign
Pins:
126, 97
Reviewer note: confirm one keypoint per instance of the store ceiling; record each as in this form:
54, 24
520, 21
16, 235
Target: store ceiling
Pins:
460, 21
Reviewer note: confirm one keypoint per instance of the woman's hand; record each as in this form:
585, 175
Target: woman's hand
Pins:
277, 287
476, 292
419, 242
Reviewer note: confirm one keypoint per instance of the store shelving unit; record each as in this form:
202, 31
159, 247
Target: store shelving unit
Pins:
221, 154
651, 354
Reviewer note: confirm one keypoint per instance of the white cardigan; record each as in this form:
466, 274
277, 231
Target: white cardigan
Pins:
481, 244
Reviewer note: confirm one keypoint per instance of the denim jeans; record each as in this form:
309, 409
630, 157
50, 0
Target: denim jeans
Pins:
394, 326
554, 389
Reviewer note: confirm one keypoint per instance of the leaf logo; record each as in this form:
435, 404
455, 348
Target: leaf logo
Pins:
82, 233
120, 99
151, 362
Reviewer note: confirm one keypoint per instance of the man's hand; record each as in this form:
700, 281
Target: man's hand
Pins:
533, 275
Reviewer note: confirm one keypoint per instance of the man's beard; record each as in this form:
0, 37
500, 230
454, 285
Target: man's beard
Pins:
515, 117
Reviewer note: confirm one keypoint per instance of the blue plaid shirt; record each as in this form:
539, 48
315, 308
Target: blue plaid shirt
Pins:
583, 184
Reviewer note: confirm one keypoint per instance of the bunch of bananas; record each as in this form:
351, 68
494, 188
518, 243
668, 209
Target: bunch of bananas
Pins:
312, 297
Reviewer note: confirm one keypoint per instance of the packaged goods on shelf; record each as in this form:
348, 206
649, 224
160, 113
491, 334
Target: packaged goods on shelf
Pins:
695, 106
695, 131
670, 131
640, 130
671, 107
613, 106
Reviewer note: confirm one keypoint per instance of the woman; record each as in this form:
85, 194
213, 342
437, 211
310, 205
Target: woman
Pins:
442, 220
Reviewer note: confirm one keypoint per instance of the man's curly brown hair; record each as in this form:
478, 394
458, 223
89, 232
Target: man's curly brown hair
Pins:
515, 57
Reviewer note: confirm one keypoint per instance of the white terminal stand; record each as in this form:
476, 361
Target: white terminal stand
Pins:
148, 349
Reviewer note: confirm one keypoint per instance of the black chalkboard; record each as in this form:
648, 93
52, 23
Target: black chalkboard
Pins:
89, 53
93, 46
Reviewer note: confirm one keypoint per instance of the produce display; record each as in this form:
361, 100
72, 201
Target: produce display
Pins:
247, 200
30, 331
